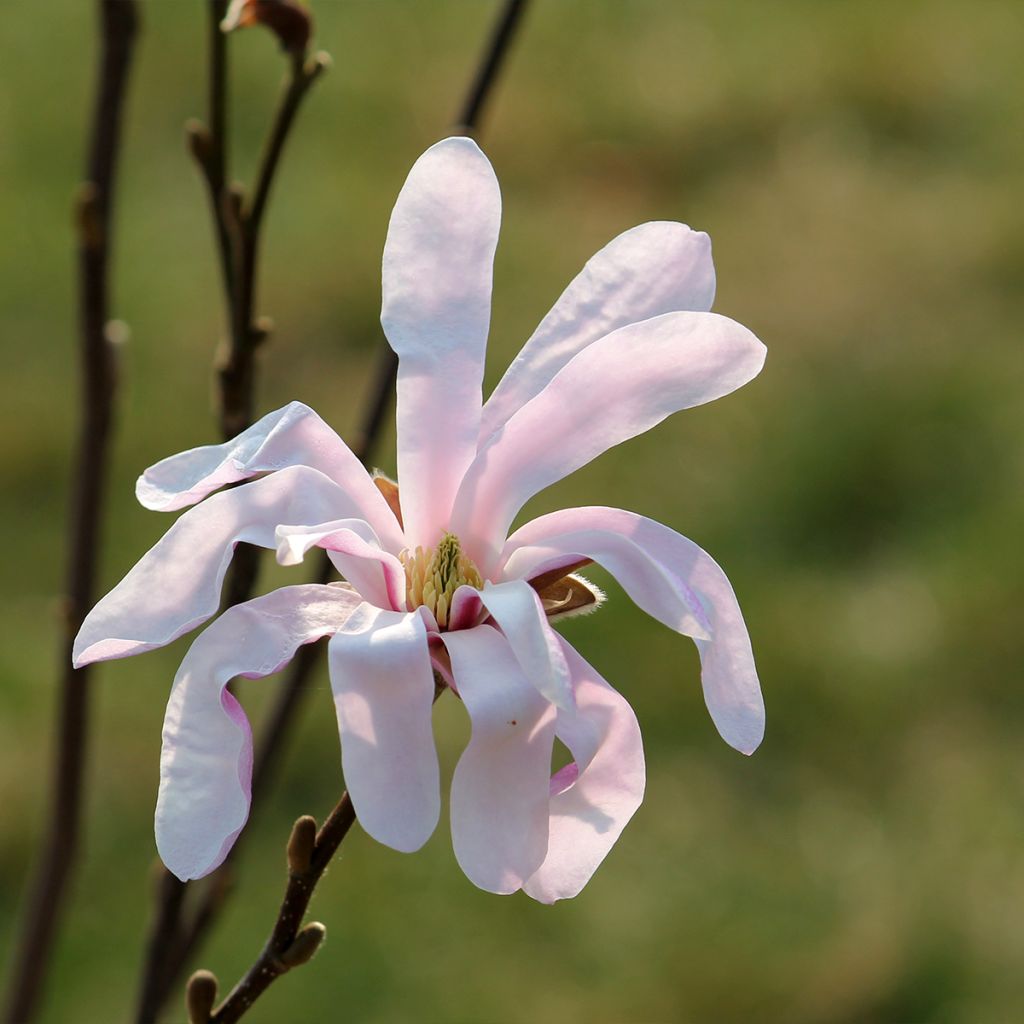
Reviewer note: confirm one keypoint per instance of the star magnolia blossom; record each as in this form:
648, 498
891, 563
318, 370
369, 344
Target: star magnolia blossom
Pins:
433, 584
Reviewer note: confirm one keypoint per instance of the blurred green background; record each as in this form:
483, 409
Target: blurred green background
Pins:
860, 168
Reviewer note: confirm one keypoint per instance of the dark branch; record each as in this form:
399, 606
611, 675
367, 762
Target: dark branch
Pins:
486, 75
94, 212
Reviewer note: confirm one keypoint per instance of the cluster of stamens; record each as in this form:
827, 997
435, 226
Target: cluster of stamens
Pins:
432, 576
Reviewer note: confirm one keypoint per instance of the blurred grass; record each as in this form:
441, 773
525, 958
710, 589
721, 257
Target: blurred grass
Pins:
859, 167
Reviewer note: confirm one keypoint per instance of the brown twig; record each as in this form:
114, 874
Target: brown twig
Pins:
290, 944
94, 210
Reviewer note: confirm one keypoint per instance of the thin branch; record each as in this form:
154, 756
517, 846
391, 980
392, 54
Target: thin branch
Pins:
487, 71
94, 211
244, 222
209, 145
290, 944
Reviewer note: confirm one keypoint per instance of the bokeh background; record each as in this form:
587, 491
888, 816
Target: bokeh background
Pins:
860, 170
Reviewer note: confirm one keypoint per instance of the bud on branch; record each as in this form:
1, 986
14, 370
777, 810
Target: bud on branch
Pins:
291, 23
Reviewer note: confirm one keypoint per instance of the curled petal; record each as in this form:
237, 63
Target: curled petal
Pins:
206, 761
594, 796
500, 790
645, 556
652, 585
292, 436
176, 585
355, 551
614, 389
518, 611
655, 268
436, 311
383, 684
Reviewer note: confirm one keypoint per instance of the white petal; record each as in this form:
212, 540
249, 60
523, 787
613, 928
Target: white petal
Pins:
437, 306
176, 585
500, 790
655, 268
383, 686
633, 547
355, 551
595, 796
292, 436
206, 761
563, 538
614, 389
518, 611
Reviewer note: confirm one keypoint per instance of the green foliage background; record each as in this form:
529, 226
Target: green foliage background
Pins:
859, 168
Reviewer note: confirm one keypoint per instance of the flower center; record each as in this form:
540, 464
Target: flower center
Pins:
433, 575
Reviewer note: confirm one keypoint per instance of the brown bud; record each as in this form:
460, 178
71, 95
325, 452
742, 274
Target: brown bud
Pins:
200, 995
306, 943
261, 330
301, 844
198, 140
571, 595
289, 21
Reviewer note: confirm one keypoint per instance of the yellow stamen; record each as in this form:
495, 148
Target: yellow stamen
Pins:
432, 576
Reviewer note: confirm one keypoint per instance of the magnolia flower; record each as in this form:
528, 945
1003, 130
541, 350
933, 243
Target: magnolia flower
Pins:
434, 588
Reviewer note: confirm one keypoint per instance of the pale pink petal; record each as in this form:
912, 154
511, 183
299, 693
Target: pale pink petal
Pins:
500, 790
565, 537
355, 551
655, 268
614, 389
176, 585
437, 306
206, 761
467, 610
519, 614
637, 545
595, 795
292, 436
383, 686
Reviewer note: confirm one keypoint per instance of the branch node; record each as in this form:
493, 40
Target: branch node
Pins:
89, 215
261, 330
199, 141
